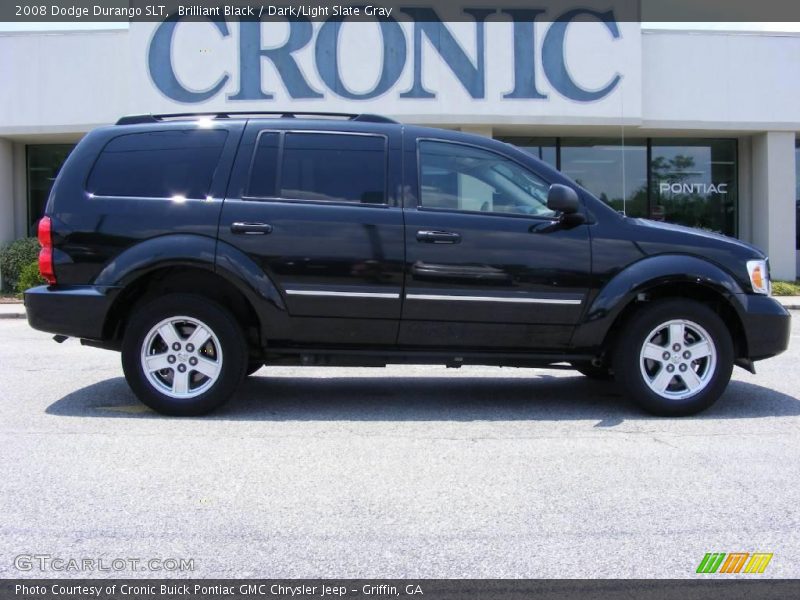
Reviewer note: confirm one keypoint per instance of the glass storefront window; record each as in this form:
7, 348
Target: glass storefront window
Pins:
693, 183
543, 148
43, 164
797, 192
690, 181
613, 171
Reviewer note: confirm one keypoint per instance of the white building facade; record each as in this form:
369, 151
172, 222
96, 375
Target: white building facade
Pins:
699, 128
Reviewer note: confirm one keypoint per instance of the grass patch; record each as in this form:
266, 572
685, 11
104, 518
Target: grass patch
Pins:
786, 288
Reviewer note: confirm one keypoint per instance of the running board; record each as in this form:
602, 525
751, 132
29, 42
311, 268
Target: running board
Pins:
382, 357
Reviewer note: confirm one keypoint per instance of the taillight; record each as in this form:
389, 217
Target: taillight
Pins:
45, 235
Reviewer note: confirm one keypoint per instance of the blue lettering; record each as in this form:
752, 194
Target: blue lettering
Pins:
472, 77
426, 22
159, 62
251, 52
524, 53
554, 60
327, 58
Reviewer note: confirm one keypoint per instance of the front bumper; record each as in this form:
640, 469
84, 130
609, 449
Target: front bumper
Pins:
74, 311
767, 326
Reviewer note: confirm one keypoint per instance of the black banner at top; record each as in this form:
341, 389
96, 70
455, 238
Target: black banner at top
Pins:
78, 11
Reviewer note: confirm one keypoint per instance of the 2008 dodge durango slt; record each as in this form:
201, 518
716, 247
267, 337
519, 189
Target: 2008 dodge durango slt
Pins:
205, 246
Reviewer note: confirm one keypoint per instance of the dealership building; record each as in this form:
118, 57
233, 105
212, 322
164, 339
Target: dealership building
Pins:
692, 127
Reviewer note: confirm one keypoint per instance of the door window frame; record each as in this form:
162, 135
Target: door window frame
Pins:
434, 209
279, 169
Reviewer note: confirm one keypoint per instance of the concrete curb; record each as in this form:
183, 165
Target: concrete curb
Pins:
12, 310
789, 302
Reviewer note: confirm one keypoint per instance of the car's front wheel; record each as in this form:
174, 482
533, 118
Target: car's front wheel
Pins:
674, 358
183, 354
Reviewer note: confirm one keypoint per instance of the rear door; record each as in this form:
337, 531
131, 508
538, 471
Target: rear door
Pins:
316, 209
485, 265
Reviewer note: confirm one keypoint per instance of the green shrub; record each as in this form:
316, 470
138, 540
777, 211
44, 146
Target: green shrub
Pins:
29, 277
14, 257
785, 288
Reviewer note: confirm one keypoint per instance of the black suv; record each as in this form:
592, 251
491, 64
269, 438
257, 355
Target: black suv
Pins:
204, 246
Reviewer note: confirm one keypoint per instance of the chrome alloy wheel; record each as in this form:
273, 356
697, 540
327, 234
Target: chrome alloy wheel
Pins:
678, 359
181, 357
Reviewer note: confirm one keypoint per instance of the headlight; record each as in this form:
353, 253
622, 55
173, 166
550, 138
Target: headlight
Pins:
759, 276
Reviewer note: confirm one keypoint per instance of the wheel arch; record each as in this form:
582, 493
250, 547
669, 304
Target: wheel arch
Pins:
684, 290
193, 264
658, 277
187, 279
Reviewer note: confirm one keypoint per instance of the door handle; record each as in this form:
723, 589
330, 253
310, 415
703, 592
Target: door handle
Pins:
438, 237
251, 228
547, 227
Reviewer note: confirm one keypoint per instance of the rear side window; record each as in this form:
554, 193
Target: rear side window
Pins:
158, 164
334, 168
264, 172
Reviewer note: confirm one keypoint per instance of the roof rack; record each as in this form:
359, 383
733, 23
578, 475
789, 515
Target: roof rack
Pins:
364, 117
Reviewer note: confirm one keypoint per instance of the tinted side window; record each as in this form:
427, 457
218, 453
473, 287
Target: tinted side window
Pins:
458, 177
263, 174
334, 168
158, 164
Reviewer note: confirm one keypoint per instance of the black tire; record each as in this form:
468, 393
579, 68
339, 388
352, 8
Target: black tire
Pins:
253, 366
229, 361
715, 372
591, 371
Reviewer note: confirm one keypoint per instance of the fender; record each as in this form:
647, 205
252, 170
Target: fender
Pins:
202, 252
645, 274
156, 253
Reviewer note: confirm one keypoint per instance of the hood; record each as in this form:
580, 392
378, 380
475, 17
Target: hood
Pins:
700, 235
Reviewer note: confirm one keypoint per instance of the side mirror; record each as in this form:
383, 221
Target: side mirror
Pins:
563, 199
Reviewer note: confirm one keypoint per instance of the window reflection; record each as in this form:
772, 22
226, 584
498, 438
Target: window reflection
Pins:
458, 177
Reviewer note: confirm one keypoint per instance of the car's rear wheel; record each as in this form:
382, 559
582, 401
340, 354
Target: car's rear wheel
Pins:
674, 357
183, 354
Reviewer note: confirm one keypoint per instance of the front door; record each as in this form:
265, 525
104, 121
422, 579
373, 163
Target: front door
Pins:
313, 209
485, 265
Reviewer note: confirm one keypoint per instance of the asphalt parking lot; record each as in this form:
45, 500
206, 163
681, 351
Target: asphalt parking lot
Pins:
399, 472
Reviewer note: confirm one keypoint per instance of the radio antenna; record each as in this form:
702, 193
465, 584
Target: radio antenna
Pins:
622, 137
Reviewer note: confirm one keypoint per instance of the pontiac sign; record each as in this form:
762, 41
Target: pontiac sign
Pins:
693, 188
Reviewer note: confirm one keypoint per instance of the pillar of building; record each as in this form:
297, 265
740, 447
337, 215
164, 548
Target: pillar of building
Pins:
773, 202
484, 130
6, 191
6, 194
